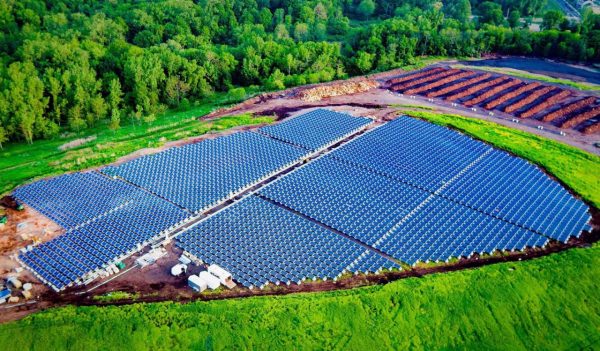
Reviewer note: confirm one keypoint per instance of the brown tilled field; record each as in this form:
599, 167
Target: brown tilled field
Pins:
543, 102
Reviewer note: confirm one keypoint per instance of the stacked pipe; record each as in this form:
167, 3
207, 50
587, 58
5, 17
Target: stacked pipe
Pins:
414, 75
575, 120
529, 99
439, 83
592, 128
404, 86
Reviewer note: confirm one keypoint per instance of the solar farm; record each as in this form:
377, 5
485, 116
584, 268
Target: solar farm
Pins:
563, 108
314, 197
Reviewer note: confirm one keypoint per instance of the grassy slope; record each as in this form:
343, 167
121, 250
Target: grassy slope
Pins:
578, 169
505, 306
21, 162
528, 75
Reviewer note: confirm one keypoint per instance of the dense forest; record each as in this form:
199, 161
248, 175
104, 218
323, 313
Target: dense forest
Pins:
75, 64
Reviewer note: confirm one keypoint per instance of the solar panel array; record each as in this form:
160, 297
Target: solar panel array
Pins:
202, 175
111, 219
73, 199
260, 242
359, 203
442, 229
414, 152
104, 241
470, 173
316, 129
408, 189
513, 190
384, 190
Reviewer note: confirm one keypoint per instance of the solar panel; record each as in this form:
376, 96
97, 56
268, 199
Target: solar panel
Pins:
200, 176
260, 242
316, 129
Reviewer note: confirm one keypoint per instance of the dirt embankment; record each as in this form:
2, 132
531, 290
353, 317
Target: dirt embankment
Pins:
302, 95
346, 88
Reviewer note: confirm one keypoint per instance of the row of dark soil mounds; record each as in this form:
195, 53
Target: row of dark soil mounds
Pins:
546, 103
541, 66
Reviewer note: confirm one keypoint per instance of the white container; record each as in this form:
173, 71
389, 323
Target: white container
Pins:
178, 269
211, 281
196, 283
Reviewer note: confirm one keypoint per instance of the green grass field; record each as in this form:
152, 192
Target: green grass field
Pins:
549, 303
578, 169
20, 163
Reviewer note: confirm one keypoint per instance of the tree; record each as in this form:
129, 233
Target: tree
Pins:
460, 10
281, 32
275, 81
25, 92
301, 31
237, 94
149, 118
366, 8
553, 19
115, 94
76, 122
364, 61
490, 13
514, 18
115, 120
175, 90
55, 90
3, 137
321, 12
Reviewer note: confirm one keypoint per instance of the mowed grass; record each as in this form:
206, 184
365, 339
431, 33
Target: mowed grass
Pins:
549, 303
20, 162
528, 75
578, 169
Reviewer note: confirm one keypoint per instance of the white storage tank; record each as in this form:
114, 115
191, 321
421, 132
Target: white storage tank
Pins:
197, 283
178, 269
211, 281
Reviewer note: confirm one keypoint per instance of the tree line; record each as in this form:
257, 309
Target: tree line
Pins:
72, 65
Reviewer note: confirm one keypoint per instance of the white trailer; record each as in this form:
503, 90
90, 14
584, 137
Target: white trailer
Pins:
224, 276
197, 283
211, 281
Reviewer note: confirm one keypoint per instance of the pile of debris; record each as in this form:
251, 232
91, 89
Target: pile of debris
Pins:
345, 88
